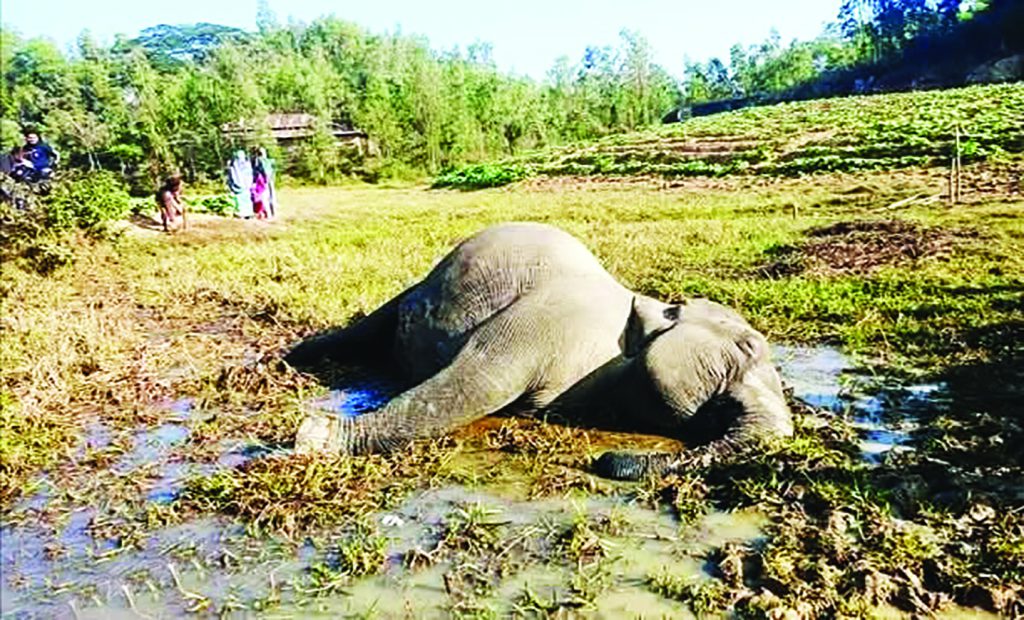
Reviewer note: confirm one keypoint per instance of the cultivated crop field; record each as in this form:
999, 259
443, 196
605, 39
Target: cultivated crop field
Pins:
145, 460
879, 132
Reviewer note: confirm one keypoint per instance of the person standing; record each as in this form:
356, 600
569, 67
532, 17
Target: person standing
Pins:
240, 184
260, 194
266, 165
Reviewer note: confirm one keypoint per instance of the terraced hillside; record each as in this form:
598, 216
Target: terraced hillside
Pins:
877, 132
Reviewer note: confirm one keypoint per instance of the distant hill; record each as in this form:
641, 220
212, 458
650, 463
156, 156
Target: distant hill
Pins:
873, 132
170, 45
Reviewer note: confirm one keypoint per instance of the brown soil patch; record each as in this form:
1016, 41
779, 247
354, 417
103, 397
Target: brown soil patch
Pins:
861, 247
648, 182
697, 148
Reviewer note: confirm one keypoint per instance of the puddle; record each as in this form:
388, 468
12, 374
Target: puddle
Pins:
211, 558
358, 396
152, 446
235, 454
181, 409
884, 412
652, 541
97, 577
97, 437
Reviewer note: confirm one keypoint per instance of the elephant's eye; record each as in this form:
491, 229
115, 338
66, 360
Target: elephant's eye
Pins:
672, 313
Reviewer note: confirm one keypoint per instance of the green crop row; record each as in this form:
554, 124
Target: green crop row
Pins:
877, 132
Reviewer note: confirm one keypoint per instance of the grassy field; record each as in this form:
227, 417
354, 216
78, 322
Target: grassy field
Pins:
102, 354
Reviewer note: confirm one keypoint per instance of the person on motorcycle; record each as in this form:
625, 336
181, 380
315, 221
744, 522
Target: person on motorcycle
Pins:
35, 161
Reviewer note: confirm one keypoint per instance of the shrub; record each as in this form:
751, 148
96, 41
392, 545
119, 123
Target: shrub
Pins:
86, 201
37, 227
479, 176
218, 205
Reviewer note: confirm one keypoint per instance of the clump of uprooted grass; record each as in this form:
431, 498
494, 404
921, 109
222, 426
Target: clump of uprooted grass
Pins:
704, 596
361, 553
843, 540
472, 531
477, 544
264, 400
585, 540
294, 493
686, 494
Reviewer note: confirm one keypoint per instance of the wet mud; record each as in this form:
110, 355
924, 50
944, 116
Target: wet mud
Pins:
72, 567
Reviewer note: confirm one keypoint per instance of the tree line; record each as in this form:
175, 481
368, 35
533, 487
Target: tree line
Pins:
157, 103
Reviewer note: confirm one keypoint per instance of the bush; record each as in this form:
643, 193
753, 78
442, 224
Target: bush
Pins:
86, 201
37, 227
218, 205
479, 176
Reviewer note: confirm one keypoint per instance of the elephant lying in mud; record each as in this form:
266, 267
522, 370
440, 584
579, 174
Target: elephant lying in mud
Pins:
523, 315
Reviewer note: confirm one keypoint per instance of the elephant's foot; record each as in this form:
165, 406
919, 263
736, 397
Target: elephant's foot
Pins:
317, 433
322, 432
633, 466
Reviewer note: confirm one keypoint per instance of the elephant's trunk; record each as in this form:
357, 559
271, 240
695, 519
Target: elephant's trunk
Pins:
766, 413
765, 416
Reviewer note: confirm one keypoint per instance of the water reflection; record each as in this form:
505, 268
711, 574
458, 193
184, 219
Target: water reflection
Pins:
883, 410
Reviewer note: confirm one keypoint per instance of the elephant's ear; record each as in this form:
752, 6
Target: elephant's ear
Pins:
647, 319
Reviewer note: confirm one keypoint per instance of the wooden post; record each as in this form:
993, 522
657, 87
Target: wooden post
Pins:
952, 168
958, 168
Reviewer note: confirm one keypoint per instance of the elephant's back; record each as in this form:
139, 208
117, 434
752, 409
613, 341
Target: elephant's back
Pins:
493, 268
482, 276
529, 248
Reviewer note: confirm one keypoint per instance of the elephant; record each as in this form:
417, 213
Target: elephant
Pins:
523, 315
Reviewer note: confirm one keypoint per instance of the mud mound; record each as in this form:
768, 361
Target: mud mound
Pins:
860, 247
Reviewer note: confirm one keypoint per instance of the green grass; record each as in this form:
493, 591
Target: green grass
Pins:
81, 339
364, 246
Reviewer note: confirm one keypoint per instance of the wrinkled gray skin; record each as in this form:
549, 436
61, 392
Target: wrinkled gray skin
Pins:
524, 314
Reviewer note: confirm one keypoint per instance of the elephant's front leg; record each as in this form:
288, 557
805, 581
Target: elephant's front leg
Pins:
491, 371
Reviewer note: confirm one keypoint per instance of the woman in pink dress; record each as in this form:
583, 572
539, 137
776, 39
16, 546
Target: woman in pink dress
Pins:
260, 195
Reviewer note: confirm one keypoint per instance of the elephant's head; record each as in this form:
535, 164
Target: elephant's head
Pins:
695, 351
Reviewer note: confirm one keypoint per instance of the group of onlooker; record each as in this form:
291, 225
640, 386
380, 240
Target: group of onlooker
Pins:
251, 183
250, 180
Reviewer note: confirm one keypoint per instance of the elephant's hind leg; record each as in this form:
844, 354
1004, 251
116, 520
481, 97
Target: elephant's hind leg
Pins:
369, 339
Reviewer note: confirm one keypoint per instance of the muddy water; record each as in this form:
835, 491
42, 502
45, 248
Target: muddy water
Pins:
884, 412
212, 560
65, 571
652, 541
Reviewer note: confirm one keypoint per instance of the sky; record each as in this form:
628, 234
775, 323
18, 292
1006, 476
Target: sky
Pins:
527, 35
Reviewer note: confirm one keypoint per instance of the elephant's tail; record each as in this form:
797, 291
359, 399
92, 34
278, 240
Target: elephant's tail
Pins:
370, 338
